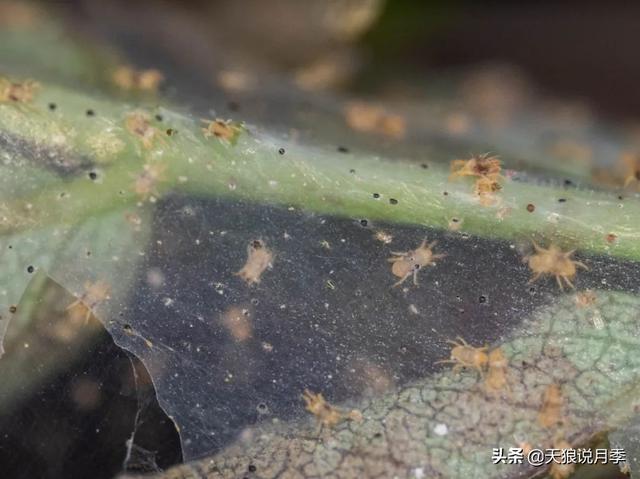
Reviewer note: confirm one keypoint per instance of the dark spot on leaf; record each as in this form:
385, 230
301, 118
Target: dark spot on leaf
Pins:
93, 175
159, 117
52, 106
531, 207
376, 195
562, 200
393, 201
343, 149
364, 223
91, 112
30, 269
281, 151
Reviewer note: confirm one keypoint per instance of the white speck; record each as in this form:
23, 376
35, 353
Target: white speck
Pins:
553, 218
598, 323
413, 309
441, 429
418, 472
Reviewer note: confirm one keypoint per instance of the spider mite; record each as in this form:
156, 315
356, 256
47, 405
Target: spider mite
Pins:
497, 371
129, 79
631, 165
326, 414
465, 356
368, 118
259, 258
551, 411
225, 130
485, 189
145, 183
94, 294
410, 262
18, 92
559, 470
139, 124
478, 165
586, 298
383, 236
553, 261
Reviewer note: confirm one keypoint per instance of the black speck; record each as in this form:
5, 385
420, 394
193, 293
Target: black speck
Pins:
52, 106
13, 309
393, 201
343, 149
445, 193
281, 151
171, 132
30, 269
364, 223
127, 328
10, 246
562, 200
252, 468
159, 117
424, 166
377, 435
88, 253
255, 301
568, 182
376, 195
91, 112
620, 197
93, 175
454, 220
352, 171
482, 299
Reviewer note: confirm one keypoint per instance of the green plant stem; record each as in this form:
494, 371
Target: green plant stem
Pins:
308, 179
